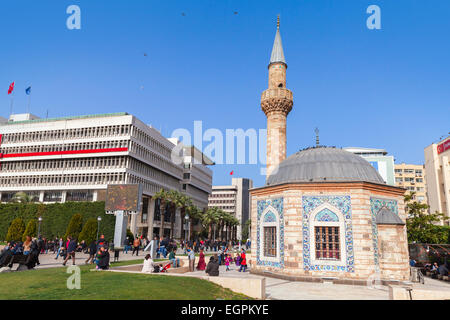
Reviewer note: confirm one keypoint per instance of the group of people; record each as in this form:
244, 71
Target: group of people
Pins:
437, 269
29, 249
222, 257
160, 247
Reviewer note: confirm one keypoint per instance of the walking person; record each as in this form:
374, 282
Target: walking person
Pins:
201, 262
71, 251
92, 251
191, 258
126, 244
243, 261
136, 245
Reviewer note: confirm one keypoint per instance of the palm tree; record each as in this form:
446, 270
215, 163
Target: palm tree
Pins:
209, 218
22, 197
221, 222
173, 196
164, 198
193, 213
182, 201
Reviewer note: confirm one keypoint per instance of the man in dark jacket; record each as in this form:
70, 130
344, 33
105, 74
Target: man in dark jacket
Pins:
92, 251
71, 248
212, 269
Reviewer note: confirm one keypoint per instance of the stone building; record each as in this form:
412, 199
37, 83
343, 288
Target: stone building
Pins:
324, 212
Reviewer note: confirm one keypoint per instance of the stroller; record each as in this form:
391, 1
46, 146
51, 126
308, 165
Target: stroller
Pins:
159, 268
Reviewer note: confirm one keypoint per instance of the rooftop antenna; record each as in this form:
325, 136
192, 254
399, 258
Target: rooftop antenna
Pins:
317, 136
278, 21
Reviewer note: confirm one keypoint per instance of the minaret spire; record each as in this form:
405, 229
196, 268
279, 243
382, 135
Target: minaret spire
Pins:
276, 102
277, 50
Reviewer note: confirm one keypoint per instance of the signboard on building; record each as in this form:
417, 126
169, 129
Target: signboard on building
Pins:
123, 197
444, 146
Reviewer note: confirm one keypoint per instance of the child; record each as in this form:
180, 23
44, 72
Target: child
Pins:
238, 260
227, 262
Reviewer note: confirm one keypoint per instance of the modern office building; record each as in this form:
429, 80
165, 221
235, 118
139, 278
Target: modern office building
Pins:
412, 178
233, 199
75, 158
437, 168
379, 159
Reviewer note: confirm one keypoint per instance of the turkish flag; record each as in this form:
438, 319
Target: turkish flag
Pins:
231, 173
11, 88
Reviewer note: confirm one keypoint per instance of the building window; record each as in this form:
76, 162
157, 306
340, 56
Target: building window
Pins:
327, 243
270, 241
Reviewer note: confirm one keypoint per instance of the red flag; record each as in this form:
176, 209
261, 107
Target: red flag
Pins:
231, 173
11, 88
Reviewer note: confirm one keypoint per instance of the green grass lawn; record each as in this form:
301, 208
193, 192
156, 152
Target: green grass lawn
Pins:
50, 284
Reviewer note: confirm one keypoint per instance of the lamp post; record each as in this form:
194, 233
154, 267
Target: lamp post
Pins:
98, 225
39, 226
186, 219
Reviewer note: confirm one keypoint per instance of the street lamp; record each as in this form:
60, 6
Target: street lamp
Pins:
39, 227
186, 219
98, 225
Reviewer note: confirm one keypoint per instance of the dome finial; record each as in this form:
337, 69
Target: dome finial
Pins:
317, 136
278, 21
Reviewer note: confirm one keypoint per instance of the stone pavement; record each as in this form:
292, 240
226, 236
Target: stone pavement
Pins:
48, 260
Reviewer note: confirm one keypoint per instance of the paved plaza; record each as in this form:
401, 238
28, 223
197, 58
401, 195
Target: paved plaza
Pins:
276, 289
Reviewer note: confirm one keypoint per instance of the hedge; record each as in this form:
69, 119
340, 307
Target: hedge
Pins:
55, 217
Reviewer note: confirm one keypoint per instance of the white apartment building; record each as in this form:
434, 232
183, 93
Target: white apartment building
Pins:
233, 199
75, 158
437, 167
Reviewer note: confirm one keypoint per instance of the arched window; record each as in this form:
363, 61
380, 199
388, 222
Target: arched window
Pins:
327, 230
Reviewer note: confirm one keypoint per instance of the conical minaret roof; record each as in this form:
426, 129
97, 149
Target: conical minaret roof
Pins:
277, 50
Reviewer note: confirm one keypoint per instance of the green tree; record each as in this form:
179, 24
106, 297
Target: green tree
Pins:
74, 227
130, 236
89, 231
210, 218
194, 213
422, 227
16, 230
246, 230
30, 230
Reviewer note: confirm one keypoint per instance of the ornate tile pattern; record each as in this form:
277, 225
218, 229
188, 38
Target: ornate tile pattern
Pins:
270, 217
277, 204
343, 204
375, 206
327, 215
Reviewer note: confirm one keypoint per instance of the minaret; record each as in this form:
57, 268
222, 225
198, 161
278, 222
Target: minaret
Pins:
276, 102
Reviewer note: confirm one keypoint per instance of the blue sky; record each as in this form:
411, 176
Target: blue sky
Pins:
387, 88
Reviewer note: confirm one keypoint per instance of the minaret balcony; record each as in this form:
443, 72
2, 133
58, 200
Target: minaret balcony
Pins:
277, 93
277, 100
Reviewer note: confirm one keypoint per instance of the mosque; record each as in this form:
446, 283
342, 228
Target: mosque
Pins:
324, 213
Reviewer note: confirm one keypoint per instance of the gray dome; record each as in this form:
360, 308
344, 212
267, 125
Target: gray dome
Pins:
325, 165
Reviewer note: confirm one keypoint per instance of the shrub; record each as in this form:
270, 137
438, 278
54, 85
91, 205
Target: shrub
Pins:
16, 230
30, 229
130, 236
74, 227
89, 232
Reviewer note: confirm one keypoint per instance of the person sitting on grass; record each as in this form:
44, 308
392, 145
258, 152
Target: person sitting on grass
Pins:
212, 269
148, 264
102, 259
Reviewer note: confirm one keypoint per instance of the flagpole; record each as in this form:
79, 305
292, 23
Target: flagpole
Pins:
29, 102
12, 103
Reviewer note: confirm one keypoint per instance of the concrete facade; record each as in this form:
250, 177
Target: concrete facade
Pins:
412, 178
233, 199
75, 158
437, 167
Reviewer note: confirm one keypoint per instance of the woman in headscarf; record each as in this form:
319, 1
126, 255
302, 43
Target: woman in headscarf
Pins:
148, 264
201, 262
